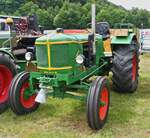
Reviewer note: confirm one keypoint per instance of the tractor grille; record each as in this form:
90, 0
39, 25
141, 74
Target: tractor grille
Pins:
52, 56
42, 56
59, 55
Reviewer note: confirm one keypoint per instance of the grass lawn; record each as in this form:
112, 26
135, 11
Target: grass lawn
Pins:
129, 116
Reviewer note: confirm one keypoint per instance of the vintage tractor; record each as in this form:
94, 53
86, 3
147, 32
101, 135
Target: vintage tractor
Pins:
20, 34
67, 62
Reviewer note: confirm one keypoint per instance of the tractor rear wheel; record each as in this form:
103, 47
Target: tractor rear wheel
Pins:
7, 72
98, 103
125, 67
20, 100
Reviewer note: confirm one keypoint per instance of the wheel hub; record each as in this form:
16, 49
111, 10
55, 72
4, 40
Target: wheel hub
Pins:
104, 103
26, 100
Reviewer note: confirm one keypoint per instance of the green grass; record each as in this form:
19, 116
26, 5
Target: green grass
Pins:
129, 116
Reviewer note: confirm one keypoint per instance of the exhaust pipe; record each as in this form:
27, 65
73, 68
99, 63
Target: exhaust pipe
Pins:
94, 27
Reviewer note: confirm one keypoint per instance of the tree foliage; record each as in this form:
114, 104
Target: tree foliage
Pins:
73, 13
70, 16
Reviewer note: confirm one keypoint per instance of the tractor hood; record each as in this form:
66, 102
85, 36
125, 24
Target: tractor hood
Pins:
57, 52
62, 38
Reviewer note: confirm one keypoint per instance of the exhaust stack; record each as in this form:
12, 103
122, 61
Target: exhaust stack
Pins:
94, 27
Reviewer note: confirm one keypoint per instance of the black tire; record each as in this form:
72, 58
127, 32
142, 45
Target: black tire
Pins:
7, 71
97, 113
18, 103
125, 67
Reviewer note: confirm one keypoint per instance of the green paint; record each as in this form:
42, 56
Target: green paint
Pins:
126, 40
27, 94
60, 37
21, 65
2, 41
42, 57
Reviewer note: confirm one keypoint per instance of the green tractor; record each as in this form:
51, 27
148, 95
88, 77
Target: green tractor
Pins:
67, 62
17, 36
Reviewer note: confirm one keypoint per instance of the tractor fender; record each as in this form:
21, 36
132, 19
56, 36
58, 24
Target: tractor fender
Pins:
7, 52
126, 40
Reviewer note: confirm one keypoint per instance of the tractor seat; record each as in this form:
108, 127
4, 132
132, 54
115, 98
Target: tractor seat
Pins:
103, 29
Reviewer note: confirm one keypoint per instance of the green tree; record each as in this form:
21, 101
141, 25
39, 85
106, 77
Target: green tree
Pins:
73, 13
45, 4
9, 6
116, 15
70, 16
27, 10
46, 17
138, 17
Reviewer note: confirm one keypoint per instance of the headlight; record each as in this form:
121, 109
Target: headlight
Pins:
80, 59
28, 56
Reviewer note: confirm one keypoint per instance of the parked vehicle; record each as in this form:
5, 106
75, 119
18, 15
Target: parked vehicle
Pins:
17, 36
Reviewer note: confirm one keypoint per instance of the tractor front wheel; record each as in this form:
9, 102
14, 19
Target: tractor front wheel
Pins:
98, 103
21, 101
7, 72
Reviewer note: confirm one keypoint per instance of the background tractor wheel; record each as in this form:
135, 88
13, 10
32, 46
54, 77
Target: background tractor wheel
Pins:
18, 89
125, 67
98, 103
7, 72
